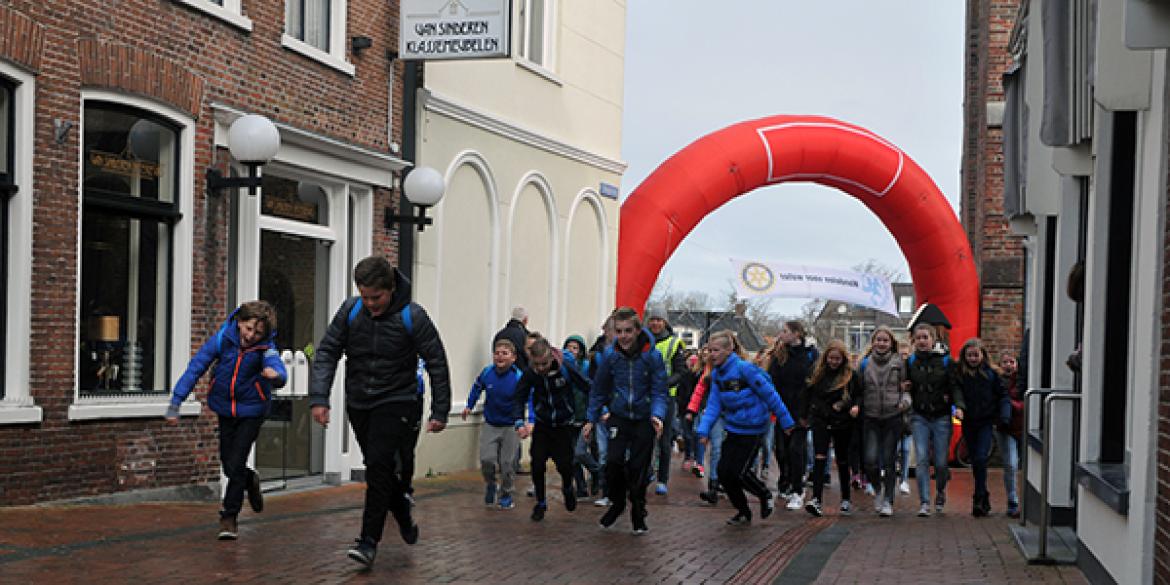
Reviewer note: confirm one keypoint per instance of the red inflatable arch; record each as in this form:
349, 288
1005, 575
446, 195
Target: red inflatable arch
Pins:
723, 165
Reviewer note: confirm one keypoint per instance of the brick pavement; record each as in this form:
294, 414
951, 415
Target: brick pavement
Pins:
301, 538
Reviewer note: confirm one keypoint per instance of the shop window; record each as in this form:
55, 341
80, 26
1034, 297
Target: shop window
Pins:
296, 200
130, 185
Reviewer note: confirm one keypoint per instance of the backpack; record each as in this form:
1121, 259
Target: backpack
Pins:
406, 318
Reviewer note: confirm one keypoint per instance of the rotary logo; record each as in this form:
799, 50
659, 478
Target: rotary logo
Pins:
757, 277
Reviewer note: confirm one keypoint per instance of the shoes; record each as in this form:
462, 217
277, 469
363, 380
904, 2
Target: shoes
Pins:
506, 502
878, 500
814, 507
711, 496
610, 516
601, 502
530, 492
638, 519
924, 510
766, 507
981, 505
255, 496
409, 498
363, 552
227, 528
660, 489
886, 510
538, 511
1013, 510
846, 508
857, 482
939, 501
869, 491
795, 502
570, 499
697, 470
739, 519
489, 495
904, 488
409, 533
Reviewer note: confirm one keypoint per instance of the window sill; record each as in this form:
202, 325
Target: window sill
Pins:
1109, 482
233, 18
539, 71
18, 415
152, 409
298, 46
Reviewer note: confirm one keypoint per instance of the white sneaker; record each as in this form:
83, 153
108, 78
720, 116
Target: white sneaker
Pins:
878, 500
869, 491
924, 510
846, 508
904, 487
886, 510
601, 502
795, 502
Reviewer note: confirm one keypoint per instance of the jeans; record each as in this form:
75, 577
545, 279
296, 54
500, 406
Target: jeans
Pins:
665, 443
978, 439
881, 445
765, 453
735, 466
716, 441
601, 434
1009, 452
842, 439
932, 436
380, 432
236, 436
904, 453
791, 450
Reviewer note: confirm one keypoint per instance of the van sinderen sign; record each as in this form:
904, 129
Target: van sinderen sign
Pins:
454, 29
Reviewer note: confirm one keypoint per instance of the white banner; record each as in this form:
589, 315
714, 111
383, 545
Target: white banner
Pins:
454, 29
771, 279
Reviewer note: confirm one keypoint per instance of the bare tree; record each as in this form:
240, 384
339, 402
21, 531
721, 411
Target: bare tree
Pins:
876, 268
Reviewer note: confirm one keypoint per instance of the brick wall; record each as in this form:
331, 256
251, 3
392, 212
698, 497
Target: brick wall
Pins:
180, 57
999, 255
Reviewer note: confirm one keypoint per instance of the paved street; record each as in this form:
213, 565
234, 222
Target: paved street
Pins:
301, 538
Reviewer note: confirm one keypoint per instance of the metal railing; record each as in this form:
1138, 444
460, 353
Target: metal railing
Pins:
1049, 397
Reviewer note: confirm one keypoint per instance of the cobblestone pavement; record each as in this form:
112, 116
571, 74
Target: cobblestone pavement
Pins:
301, 538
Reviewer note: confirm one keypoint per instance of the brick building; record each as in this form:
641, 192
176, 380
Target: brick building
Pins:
998, 253
119, 262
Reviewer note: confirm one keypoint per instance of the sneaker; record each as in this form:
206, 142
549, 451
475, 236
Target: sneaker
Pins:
795, 502
846, 508
610, 516
601, 502
814, 507
530, 492
924, 510
538, 511
869, 491
409, 499
766, 507
255, 496
660, 489
878, 500
506, 502
638, 519
740, 519
886, 510
363, 552
570, 499
489, 495
409, 533
1013, 510
904, 488
697, 469
857, 482
227, 528
939, 502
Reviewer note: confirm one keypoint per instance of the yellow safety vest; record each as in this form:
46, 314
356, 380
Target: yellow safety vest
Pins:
669, 347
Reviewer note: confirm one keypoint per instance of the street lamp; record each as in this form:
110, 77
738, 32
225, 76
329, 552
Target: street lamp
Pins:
423, 187
253, 140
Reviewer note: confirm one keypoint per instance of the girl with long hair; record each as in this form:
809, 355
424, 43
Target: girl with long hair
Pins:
829, 409
883, 402
789, 362
981, 402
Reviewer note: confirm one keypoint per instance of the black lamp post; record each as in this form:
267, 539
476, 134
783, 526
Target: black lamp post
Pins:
253, 140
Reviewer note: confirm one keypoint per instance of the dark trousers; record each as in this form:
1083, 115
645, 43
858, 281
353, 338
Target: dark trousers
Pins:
842, 439
236, 436
627, 464
978, 438
555, 443
881, 447
791, 450
381, 432
406, 452
735, 470
665, 443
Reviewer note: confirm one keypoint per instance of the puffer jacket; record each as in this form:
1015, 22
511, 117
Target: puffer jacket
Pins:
553, 396
631, 384
791, 378
982, 397
826, 403
381, 356
237, 388
881, 387
744, 396
932, 383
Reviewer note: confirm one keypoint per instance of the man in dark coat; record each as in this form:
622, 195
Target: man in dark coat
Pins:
516, 331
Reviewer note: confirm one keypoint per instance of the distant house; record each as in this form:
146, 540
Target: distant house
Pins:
854, 324
695, 327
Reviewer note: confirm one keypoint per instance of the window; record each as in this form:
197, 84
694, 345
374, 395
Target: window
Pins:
536, 31
227, 10
130, 186
906, 304
316, 29
7, 190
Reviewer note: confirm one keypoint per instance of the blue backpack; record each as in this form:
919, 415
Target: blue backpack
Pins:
406, 318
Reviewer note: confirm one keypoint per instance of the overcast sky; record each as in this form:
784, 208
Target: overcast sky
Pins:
696, 66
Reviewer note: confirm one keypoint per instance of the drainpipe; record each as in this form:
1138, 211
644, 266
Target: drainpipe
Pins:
412, 82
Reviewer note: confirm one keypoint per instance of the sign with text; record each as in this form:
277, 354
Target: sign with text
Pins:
454, 29
759, 279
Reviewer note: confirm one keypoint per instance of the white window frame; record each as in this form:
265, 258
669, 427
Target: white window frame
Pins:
231, 12
544, 67
99, 407
18, 406
338, 41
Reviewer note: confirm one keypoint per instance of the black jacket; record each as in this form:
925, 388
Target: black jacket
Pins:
791, 378
517, 333
932, 383
382, 356
554, 395
686, 387
983, 397
822, 397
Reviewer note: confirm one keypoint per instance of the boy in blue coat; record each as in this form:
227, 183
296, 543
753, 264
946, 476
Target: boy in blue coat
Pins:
498, 443
247, 369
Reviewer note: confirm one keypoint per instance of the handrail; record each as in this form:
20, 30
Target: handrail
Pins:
1045, 464
1022, 451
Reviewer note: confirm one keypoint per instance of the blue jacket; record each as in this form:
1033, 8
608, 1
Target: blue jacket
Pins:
237, 388
982, 397
551, 397
743, 395
499, 388
632, 385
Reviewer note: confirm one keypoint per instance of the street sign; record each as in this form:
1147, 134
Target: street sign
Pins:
454, 29
608, 190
